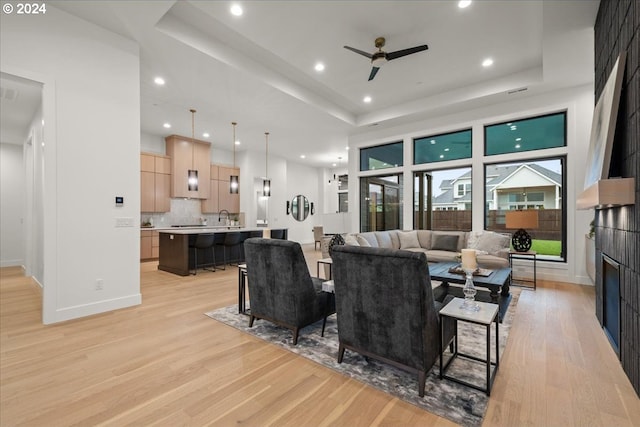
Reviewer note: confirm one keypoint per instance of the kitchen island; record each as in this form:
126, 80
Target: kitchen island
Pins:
176, 257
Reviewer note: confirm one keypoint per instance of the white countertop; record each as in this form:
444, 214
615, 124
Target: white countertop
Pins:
195, 227
198, 230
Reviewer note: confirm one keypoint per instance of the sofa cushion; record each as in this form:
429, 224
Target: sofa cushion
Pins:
424, 237
441, 256
384, 239
444, 242
408, 239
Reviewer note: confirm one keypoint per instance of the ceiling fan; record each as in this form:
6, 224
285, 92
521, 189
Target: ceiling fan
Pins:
380, 57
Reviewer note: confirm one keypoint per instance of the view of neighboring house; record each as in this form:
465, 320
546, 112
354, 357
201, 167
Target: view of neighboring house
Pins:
511, 187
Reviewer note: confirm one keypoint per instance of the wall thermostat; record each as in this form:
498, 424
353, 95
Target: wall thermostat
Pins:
119, 201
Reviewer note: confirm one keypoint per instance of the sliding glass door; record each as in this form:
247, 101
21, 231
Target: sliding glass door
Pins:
381, 203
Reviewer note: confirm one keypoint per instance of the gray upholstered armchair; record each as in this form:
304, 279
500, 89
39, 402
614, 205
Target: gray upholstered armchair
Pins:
281, 288
386, 309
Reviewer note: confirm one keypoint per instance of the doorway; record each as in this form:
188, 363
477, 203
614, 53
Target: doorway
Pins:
381, 203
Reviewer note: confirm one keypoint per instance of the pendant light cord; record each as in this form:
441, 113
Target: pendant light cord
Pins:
234, 143
266, 157
193, 134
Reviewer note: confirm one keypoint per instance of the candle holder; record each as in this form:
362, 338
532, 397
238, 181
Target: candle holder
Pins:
469, 291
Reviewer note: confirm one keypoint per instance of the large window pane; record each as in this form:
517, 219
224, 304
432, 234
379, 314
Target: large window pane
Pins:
442, 200
526, 135
381, 157
537, 185
441, 148
381, 203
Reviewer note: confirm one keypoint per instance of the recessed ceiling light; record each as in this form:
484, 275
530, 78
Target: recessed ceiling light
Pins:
513, 127
366, 99
236, 10
302, 156
518, 139
319, 67
159, 81
442, 156
464, 3
517, 145
334, 165
205, 135
166, 125
487, 62
237, 142
446, 149
433, 141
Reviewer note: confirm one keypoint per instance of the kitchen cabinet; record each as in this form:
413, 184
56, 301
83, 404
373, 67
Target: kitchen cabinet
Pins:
155, 181
219, 195
149, 244
189, 154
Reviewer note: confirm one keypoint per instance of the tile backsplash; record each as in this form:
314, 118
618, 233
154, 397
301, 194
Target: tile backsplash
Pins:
183, 212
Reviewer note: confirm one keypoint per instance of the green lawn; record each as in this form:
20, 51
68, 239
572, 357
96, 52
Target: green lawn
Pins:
546, 247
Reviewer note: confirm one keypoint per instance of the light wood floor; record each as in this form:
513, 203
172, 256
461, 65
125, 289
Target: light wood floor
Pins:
165, 363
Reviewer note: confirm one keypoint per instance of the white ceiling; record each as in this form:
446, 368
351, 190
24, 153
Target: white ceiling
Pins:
258, 69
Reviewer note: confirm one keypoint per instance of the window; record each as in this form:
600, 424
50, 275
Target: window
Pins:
441, 148
442, 199
343, 202
381, 156
535, 184
516, 136
381, 203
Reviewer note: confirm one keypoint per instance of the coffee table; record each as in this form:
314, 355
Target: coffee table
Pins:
497, 281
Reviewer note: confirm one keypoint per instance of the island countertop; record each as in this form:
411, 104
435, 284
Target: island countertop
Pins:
177, 257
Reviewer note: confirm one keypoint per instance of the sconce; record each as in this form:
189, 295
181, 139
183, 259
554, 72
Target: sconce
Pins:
313, 209
288, 207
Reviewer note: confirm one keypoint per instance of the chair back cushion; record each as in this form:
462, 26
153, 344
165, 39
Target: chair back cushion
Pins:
278, 278
385, 305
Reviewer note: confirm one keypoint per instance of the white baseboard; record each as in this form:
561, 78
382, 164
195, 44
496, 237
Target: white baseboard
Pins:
12, 263
75, 312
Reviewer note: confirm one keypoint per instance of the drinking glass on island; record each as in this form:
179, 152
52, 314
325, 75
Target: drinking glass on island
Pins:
469, 265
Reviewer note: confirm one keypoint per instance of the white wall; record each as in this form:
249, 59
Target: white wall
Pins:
578, 102
92, 143
11, 205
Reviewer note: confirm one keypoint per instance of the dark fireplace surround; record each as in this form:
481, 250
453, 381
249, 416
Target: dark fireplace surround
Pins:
617, 29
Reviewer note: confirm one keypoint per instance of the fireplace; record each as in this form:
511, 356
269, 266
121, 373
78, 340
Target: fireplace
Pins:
611, 301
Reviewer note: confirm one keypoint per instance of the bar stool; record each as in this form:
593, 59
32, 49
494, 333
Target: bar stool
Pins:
218, 240
231, 240
203, 241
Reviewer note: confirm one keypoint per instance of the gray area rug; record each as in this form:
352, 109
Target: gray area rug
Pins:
456, 402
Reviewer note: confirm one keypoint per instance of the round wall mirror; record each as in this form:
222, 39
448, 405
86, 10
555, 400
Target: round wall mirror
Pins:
300, 207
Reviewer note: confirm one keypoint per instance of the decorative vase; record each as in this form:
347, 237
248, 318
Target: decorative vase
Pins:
469, 291
337, 239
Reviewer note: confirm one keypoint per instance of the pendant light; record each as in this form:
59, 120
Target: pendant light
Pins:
266, 183
192, 174
233, 179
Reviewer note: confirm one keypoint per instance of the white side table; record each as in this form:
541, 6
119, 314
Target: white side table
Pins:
485, 316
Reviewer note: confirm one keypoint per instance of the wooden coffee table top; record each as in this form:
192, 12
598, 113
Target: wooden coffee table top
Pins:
440, 271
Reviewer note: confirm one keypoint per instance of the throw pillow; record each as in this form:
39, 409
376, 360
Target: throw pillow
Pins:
363, 242
492, 242
444, 242
408, 239
351, 239
337, 239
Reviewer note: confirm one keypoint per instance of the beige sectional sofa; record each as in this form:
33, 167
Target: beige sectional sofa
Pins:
440, 246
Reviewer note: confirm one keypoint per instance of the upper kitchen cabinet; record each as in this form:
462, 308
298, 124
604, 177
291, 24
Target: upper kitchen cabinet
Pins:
189, 156
155, 179
220, 196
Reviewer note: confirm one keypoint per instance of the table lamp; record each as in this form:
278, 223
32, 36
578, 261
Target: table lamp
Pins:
519, 220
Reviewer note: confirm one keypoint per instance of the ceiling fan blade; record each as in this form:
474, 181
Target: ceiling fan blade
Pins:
405, 52
358, 51
374, 71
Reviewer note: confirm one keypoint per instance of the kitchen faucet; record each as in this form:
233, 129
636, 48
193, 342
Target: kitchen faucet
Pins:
220, 214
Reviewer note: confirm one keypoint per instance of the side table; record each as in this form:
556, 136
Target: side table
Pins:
328, 287
485, 316
242, 283
529, 255
327, 261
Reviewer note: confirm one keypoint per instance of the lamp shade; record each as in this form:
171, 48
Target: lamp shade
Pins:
521, 219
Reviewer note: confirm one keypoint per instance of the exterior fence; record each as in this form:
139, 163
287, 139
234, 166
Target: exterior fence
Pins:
549, 222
